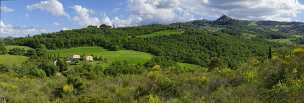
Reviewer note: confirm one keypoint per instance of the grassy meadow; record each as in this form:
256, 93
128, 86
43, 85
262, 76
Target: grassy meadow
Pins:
162, 33
133, 57
10, 60
9, 47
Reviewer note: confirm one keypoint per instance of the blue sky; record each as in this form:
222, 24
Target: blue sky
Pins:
22, 17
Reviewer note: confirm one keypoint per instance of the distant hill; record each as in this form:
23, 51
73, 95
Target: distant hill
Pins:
268, 29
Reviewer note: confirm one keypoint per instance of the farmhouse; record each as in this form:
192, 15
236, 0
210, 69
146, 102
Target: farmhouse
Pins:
88, 58
73, 58
76, 57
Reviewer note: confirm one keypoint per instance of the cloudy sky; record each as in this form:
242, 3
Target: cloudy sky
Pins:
23, 17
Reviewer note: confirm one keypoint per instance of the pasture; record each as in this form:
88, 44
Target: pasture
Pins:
130, 56
162, 33
10, 60
9, 47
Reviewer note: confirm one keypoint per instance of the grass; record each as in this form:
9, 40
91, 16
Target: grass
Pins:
162, 33
299, 49
133, 57
20, 47
10, 60
281, 41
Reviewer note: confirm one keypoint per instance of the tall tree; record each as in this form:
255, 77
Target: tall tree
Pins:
3, 50
270, 53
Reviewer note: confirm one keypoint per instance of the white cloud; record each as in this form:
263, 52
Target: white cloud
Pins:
53, 6
56, 23
168, 11
84, 16
14, 31
258, 9
4, 9
66, 28
106, 20
163, 11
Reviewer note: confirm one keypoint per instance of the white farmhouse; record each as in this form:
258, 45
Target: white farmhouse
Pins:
89, 58
76, 57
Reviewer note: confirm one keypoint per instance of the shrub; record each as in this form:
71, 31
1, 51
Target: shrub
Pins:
3, 68
67, 88
160, 85
38, 72
17, 51
77, 84
3, 50
49, 68
153, 99
163, 62
123, 68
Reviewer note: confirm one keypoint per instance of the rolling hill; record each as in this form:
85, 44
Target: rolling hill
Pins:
198, 61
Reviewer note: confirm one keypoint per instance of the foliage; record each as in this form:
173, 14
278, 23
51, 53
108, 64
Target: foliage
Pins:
3, 50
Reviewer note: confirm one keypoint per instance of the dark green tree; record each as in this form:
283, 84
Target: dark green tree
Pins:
215, 63
41, 50
62, 65
3, 50
269, 53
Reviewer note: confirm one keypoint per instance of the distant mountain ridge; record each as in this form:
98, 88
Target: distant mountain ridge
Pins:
250, 26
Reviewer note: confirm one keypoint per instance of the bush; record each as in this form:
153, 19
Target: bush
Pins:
38, 72
3, 68
77, 84
17, 51
123, 68
49, 68
3, 50
163, 62
159, 85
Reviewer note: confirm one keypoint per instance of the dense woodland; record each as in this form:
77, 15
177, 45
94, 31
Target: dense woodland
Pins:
195, 46
232, 67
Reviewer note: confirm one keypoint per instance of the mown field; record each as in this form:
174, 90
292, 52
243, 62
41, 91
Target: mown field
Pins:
9, 47
133, 57
162, 33
10, 60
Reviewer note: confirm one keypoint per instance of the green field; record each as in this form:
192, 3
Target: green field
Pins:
162, 33
11, 60
281, 41
19, 47
133, 57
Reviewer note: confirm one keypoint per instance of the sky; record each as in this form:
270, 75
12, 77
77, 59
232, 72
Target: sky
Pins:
29, 17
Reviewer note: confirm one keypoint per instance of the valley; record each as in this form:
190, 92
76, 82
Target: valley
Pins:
200, 61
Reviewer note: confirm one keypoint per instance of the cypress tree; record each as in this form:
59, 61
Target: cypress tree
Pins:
270, 53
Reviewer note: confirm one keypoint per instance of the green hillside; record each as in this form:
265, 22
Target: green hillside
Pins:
221, 61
